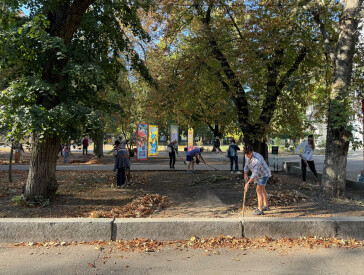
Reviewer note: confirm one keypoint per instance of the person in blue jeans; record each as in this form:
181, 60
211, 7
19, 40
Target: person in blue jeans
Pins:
233, 155
260, 175
65, 153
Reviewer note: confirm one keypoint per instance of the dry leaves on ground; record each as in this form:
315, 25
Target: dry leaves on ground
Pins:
274, 180
279, 198
211, 244
139, 207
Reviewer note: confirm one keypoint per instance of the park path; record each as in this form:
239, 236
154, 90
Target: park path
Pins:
214, 161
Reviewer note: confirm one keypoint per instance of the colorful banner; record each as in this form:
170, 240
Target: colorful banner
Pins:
174, 133
190, 140
153, 140
142, 141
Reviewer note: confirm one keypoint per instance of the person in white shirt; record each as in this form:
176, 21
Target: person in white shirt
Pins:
307, 157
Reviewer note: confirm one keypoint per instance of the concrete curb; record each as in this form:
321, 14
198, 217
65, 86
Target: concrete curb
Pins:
176, 229
290, 227
85, 229
65, 229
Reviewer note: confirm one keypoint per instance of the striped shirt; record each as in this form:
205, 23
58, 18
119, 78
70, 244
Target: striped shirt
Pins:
258, 166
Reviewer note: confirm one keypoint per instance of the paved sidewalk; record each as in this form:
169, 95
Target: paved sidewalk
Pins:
85, 259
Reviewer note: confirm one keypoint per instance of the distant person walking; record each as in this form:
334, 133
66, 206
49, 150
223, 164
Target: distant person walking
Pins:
172, 150
65, 153
21, 153
217, 144
260, 175
122, 164
190, 158
85, 143
307, 158
233, 155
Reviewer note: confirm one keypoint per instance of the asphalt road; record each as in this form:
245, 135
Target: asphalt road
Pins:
87, 259
353, 167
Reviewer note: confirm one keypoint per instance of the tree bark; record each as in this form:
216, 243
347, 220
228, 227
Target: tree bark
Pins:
338, 135
99, 144
11, 163
217, 129
42, 180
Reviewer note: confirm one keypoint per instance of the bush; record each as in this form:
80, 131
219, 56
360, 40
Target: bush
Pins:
38, 201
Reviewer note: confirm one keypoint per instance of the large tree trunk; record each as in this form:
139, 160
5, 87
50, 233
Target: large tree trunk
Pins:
337, 140
41, 180
334, 174
99, 144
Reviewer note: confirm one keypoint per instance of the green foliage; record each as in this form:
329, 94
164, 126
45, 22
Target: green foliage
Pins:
36, 202
48, 86
257, 40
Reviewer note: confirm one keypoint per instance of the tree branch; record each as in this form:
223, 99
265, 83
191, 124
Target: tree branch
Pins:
300, 57
239, 98
73, 20
258, 53
274, 90
329, 46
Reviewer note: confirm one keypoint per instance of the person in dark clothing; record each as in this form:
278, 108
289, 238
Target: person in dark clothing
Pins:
172, 149
84, 145
122, 164
217, 145
233, 155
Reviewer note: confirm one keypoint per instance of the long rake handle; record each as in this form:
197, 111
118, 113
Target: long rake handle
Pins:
312, 173
244, 202
211, 167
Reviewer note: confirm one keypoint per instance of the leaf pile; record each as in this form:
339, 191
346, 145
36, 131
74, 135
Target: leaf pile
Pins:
279, 198
212, 244
139, 207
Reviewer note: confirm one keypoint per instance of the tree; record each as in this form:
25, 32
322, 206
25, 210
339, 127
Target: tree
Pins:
254, 53
57, 61
340, 46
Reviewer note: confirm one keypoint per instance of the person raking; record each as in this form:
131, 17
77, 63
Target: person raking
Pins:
260, 175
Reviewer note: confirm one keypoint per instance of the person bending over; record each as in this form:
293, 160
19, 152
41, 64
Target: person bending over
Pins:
260, 175
190, 158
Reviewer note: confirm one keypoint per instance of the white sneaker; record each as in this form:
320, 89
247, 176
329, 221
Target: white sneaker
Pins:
231, 172
238, 172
